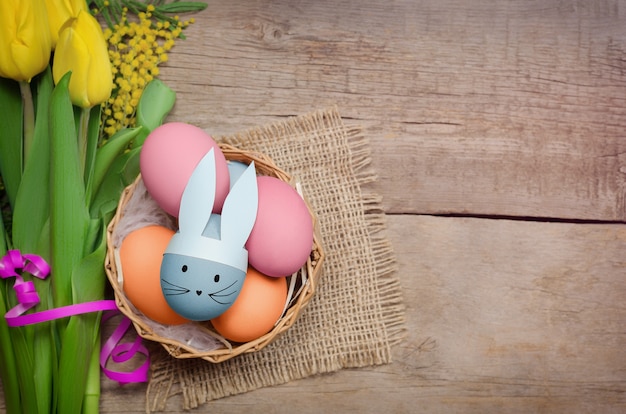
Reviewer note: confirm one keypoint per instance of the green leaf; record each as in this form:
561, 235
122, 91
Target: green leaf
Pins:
92, 136
11, 146
78, 345
31, 206
134, 6
3, 239
91, 399
107, 154
120, 175
30, 216
43, 351
68, 212
182, 7
8, 368
31, 234
88, 278
25, 368
44, 335
157, 100
8, 359
79, 339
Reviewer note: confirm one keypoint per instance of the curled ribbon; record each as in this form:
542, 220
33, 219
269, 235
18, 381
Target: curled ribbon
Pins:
122, 352
28, 298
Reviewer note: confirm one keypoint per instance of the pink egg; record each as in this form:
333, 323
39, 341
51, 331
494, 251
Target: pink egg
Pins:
282, 236
168, 157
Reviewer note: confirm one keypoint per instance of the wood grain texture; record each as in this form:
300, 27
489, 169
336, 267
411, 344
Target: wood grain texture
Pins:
503, 316
483, 107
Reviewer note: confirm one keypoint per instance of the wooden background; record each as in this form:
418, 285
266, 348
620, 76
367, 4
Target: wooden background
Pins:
498, 131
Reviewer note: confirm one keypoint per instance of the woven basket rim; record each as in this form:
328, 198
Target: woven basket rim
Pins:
313, 267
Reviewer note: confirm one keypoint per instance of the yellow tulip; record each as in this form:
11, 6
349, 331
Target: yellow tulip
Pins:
81, 49
59, 12
25, 43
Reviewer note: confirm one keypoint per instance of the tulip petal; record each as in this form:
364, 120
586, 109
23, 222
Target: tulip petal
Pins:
25, 43
72, 55
81, 49
59, 12
101, 78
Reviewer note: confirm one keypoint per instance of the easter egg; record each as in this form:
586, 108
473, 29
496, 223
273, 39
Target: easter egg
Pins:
140, 255
255, 311
282, 236
169, 155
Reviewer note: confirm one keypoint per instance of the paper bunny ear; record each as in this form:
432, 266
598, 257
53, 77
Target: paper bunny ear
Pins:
198, 198
237, 219
240, 209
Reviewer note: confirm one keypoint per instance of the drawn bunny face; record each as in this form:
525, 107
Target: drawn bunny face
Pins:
199, 294
202, 271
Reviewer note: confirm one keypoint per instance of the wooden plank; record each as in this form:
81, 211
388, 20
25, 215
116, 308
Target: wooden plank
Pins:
517, 316
501, 315
481, 108
507, 315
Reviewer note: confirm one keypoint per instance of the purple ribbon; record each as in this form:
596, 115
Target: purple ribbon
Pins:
122, 352
27, 298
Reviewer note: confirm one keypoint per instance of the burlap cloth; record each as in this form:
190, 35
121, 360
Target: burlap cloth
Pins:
356, 315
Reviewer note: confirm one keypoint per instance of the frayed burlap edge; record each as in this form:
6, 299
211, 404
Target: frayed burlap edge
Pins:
390, 296
199, 381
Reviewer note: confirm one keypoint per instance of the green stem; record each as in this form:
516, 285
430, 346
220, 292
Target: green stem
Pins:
8, 368
91, 400
22, 349
83, 135
43, 344
29, 117
4, 242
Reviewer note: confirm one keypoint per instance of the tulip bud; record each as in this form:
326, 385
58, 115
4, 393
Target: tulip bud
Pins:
25, 43
81, 49
59, 12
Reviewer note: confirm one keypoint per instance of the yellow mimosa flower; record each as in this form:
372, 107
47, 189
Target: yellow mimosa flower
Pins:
59, 12
25, 43
82, 50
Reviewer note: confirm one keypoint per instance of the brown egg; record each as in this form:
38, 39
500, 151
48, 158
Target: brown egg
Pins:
141, 253
256, 309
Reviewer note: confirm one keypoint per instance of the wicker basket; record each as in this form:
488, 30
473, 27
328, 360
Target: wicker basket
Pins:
304, 284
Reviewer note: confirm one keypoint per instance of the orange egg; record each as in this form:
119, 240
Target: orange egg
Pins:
141, 253
256, 309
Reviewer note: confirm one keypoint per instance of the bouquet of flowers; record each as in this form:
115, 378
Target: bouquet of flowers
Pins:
76, 103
